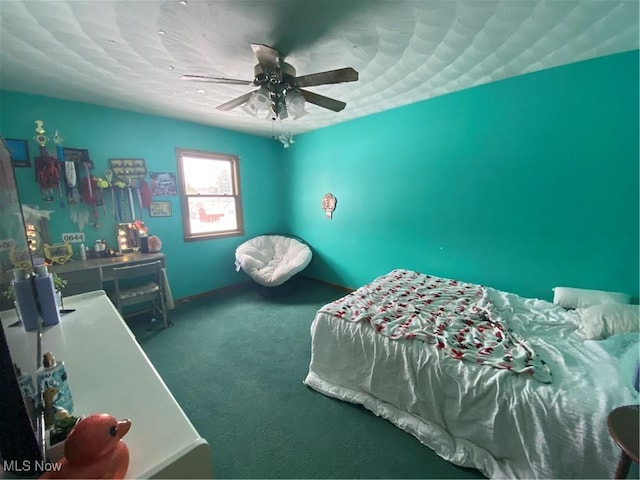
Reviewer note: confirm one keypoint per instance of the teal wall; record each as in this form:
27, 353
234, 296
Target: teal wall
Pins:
521, 184
193, 267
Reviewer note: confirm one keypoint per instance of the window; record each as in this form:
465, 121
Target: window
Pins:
210, 194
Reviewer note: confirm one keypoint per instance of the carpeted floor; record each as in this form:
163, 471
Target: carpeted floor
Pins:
235, 362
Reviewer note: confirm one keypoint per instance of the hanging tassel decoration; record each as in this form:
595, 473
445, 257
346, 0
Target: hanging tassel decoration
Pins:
145, 192
133, 211
118, 203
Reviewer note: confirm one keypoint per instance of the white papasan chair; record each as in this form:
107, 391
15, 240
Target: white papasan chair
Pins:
270, 260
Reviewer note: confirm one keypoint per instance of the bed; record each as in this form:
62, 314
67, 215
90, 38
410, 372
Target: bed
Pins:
511, 389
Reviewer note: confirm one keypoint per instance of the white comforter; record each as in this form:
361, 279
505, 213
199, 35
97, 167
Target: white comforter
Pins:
503, 424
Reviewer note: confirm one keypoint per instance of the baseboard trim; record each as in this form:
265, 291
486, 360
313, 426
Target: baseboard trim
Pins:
330, 284
247, 284
216, 291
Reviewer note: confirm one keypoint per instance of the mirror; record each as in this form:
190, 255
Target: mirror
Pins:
128, 237
21, 426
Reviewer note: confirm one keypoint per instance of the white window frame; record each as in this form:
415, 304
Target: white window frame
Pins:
234, 160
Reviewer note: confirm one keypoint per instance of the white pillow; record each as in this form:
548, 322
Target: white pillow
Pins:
602, 321
569, 297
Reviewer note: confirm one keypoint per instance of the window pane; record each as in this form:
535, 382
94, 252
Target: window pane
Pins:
210, 194
205, 176
212, 214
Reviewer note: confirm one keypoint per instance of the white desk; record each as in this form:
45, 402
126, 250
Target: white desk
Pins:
86, 275
108, 372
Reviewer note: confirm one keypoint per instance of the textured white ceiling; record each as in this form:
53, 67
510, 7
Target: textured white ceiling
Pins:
130, 54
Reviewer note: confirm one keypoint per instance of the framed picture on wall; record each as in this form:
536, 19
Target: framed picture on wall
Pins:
19, 152
160, 209
163, 184
77, 155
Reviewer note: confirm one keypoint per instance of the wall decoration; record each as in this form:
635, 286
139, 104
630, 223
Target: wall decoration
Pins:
74, 237
160, 209
19, 152
7, 244
128, 167
163, 184
329, 204
58, 253
20, 258
46, 168
76, 155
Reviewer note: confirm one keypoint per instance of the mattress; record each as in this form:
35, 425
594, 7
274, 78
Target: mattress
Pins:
505, 424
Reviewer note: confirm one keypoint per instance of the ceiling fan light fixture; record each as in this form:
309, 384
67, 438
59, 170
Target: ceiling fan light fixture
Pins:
250, 108
295, 104
281, 92
262, 99
258, 103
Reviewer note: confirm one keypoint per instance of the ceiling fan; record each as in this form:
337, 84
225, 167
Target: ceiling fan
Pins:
280, 91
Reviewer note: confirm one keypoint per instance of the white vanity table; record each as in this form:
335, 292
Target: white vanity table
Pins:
108, 372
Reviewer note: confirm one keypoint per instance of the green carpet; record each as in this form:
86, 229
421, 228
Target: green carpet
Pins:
235, 362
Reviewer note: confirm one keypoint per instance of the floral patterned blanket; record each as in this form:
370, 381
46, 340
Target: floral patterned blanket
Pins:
456, 317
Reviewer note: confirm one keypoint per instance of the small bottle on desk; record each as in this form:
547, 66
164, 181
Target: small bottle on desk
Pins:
25, 298
52, 374
47, 296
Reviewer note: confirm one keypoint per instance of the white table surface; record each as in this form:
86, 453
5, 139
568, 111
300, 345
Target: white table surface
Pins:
108, 372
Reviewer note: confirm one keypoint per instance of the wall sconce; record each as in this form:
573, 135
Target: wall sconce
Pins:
329, 205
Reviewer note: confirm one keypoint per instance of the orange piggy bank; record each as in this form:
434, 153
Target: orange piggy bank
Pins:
94, 449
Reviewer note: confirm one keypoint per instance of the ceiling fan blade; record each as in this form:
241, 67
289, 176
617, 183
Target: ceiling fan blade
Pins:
267, 57
229, 81
332, 76
236, 102
322, 101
